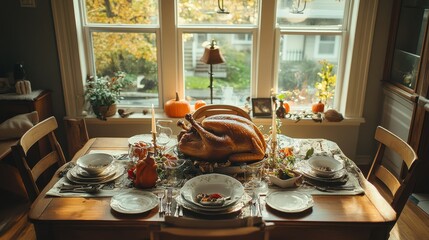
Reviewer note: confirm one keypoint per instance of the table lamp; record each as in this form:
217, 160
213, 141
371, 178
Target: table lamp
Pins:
212, 55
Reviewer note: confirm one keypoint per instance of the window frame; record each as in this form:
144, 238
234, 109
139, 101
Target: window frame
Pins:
356, 56
193, 29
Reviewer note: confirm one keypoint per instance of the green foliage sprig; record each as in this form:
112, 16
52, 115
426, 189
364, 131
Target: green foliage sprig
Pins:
326, 86
105, 91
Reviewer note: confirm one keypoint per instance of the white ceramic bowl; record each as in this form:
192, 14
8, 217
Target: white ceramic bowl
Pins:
287, 183
213, 183
324, 166
95, 163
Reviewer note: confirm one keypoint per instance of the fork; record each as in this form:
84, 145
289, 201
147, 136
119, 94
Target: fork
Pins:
160, 196
169, 197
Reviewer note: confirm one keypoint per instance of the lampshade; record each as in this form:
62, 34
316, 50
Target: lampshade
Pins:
212, 55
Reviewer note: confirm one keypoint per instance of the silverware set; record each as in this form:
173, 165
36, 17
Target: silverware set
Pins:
167, 208
330, 188
88, 188
256, 207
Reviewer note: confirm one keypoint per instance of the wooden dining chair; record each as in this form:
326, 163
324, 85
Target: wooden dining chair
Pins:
395, 189
33, 169
214, 109
249, 228
77, 134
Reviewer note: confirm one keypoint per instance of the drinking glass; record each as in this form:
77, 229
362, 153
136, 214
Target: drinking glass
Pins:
253, 176
173, 172
163, 133
138, 151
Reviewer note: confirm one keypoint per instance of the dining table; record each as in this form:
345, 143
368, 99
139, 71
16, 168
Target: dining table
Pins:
361, 215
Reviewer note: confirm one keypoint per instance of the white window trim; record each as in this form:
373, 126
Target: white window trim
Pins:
356, 56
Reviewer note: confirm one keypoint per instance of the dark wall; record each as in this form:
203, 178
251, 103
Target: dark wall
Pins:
27, 35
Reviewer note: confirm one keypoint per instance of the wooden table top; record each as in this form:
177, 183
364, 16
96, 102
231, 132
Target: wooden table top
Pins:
369, 209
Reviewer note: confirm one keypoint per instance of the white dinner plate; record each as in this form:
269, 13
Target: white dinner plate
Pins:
133, 202
212, 183
230, 209
147, 138
79, 173
289, 201
338, 176
118, 171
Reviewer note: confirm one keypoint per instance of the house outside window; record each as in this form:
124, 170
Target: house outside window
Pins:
309, 32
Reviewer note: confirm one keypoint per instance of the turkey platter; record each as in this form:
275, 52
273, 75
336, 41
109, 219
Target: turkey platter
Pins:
222, 137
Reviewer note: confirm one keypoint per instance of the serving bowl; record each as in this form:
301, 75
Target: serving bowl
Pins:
324, 166
213, 183
95, 163
285, 183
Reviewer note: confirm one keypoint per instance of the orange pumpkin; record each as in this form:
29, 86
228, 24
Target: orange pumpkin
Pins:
318, 107
199, 103
286, 106
146, 175
176, 107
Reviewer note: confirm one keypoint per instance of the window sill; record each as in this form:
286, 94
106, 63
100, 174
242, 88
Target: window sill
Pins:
139, 118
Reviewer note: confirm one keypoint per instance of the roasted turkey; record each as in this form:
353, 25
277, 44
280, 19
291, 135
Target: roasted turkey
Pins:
222, 137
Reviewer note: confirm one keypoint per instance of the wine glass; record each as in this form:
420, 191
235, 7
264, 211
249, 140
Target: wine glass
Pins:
163, 133
173, 175
138, 151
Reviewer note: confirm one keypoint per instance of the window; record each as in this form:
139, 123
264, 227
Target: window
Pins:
234, 34
310, 32
265, 46
123, 37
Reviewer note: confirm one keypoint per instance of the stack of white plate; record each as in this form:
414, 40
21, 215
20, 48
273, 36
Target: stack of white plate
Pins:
95, 168
227, 186
325, 169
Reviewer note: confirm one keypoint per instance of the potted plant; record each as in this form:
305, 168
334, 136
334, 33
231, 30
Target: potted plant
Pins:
103, 93
325, 87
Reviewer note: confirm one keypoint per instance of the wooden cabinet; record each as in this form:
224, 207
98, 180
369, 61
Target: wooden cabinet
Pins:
11, 106
406, 74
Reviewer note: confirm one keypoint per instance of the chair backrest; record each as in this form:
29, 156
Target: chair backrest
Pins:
248, 228
398, 187
77, 134
30, 174
214, 109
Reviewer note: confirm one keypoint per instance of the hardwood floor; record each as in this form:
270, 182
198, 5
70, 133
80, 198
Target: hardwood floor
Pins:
413, 224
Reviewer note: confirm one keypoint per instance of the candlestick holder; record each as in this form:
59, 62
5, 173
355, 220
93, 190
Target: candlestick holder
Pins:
272, 158
155, 146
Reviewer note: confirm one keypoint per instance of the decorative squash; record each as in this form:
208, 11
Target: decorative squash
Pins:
199, 103
146, 175
333, 116
318, 107
177, 108
286, 106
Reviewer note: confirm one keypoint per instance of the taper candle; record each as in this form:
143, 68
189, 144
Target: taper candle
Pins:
274, 125
153, 121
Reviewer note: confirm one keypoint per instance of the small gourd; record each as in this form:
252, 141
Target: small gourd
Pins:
318, 107
199, 103
333, 116
177, 108
146, 174
286, 106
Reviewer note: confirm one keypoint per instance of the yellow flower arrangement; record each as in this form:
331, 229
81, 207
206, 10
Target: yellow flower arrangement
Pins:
326, 86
